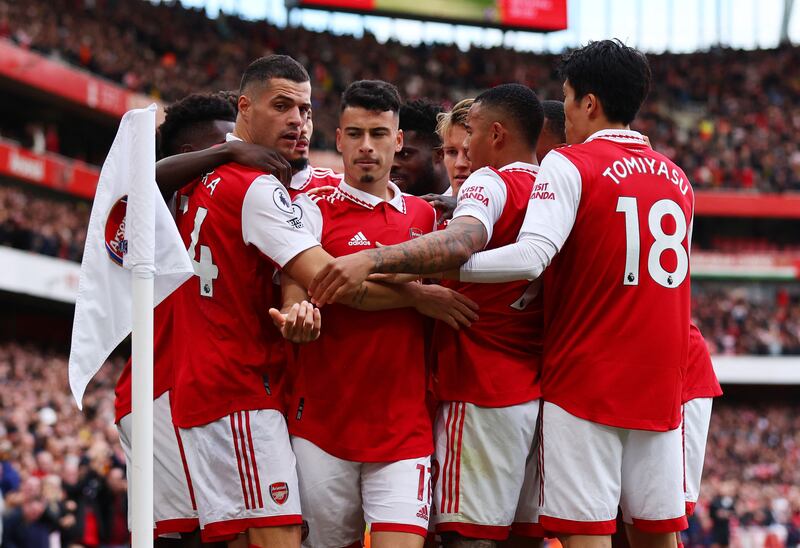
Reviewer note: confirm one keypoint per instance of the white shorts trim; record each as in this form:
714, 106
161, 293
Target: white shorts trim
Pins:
339, 496
174, 508
483, 456
696, 419
589, 469
244, 473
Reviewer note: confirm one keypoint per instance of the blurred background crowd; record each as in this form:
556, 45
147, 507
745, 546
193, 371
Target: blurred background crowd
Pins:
730, 118
62, 472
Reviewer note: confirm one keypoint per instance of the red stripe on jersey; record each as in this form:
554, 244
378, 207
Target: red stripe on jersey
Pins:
239, 462
253, 456
447, 456
246, 458
462, 418
185, 468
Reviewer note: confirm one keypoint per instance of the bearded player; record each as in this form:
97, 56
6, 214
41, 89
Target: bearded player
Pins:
488, 414
375, 468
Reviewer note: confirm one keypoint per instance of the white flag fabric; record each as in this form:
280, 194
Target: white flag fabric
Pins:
103, 307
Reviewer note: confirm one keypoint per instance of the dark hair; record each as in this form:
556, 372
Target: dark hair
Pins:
273, 66
192, 113
421, 115
520, 105
554, 114
375, 95
619, 75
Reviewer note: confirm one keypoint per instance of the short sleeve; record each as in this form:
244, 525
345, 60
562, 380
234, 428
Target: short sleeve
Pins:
272, 223
311, 216
483, 196
554, 202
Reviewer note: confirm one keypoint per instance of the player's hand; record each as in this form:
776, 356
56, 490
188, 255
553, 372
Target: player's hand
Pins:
301, 324
340, 278
261, 158
321, 190
444, 205
442, 303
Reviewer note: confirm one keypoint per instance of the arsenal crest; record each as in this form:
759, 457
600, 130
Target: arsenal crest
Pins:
414, 232
279, 492
116, 244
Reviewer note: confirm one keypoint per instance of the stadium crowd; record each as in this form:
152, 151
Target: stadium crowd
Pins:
63, 469
733, 322
63, 472
730, 319
37, 223
729, 118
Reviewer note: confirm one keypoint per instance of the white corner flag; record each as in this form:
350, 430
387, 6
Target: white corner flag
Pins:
103, 310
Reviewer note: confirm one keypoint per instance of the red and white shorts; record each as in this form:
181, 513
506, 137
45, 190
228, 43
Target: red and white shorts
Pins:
340, 496
696, 418
243, 472
174, 508
485, 456
589, 469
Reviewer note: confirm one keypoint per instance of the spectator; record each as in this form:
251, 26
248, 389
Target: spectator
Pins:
729, 118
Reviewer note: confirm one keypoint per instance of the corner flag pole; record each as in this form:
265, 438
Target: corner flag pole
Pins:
140, 221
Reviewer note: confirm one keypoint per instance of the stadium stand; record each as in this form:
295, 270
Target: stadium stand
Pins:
33, 222
727, 117
730, 118
735, 320
62, 469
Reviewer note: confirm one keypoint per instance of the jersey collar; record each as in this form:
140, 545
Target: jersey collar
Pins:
520, 165
625, 136
369, 201
301, 179
231, 137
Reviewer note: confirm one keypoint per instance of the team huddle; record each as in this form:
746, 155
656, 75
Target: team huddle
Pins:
508, 358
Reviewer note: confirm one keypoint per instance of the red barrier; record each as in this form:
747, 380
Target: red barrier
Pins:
67, 82
48, 170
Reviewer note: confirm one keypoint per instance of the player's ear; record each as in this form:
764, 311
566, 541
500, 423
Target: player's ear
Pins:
244, 106
399, 144
339, 140
498, 133
591, 104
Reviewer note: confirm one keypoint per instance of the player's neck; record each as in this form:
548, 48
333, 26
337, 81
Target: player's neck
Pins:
510, 156
379, 189
240, 131
603, 124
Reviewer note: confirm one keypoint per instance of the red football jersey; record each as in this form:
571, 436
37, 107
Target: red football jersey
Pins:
701, 380
162, 361
238, 224
496, 361
359, 390
617, 294
313, 177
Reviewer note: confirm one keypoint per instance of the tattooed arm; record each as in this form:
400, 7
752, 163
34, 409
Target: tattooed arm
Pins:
435, 301
435, 252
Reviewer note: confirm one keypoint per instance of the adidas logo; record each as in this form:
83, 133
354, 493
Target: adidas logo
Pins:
423, 513
359, 239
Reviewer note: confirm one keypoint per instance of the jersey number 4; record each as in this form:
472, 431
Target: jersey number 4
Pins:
204, 266
662, 243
